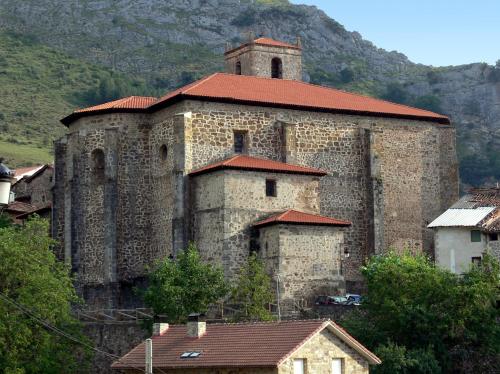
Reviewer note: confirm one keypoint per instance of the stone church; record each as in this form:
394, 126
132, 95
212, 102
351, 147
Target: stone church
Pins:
311, 178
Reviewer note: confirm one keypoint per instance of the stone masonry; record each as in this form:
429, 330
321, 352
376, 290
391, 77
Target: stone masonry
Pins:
226, 203
256, 59
122, 195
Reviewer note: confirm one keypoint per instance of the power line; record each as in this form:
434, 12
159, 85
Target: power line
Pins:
63, 333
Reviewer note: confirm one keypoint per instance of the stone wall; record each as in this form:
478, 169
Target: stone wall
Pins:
114, 338
38, 189
389, 177
112, 228
225, 204
256, 60
319, 353
306, 258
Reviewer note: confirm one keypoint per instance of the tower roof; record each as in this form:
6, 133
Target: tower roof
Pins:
277, 93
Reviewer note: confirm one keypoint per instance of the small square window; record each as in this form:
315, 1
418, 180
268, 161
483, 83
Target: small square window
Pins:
493, 237
475, 236
240, 141
476, 260
270, 187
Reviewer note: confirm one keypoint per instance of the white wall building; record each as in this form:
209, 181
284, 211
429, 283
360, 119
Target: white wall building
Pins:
467, 230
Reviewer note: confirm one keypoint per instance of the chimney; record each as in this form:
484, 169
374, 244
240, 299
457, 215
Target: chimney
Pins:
159, 328
299, 42
195, 327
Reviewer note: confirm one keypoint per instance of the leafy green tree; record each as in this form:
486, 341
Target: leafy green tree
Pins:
428, 102
32, 279
5, 220
184, 285
415, 310
253, 291
396, 93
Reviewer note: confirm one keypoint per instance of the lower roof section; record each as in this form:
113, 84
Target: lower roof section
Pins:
294, 217
249, 163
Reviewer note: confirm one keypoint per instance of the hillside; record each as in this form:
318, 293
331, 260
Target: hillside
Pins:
167, 43
38, 86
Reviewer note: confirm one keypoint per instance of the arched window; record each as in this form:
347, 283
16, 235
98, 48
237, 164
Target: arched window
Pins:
98, 165
276, 68
163, 152
237, 69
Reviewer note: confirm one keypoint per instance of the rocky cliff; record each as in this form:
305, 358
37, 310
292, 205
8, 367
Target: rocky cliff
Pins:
171, 42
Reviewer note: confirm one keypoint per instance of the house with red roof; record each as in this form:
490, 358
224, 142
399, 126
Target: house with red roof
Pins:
286, 347
253, 159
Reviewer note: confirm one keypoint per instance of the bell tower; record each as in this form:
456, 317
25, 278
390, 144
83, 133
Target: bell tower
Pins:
265, 57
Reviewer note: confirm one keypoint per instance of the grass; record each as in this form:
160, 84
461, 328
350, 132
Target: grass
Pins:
17, 155
38, 87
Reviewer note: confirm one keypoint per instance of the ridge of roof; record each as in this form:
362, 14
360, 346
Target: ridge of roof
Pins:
250, 163
292, 216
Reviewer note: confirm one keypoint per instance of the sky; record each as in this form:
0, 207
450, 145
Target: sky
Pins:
431, 32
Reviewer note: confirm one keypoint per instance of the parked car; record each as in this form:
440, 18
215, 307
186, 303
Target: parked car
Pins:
354, 299
339, 300
323, 300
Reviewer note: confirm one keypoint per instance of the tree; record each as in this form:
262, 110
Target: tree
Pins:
32, 279
183, 286
423, 319
396, 93
5, 220
428, 102
253, 291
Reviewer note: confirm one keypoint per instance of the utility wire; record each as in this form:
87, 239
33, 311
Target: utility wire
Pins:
64, 334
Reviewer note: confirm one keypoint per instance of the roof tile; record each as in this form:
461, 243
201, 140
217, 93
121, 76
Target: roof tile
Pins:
130, 102
261, 344
295, 217
274, 43
221, 87
243, 162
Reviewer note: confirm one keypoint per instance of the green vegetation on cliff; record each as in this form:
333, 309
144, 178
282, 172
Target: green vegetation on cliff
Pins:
39, 86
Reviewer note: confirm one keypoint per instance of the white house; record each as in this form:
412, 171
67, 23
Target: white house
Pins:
464, 232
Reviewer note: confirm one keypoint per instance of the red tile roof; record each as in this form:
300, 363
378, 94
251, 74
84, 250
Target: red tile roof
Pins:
126, 104
300, 218
291, 94
235, 345
40, 210
231, 88
131, 102
243, 162
275, 43
21, 172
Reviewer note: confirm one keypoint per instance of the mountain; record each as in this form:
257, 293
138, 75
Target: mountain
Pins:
166, 43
